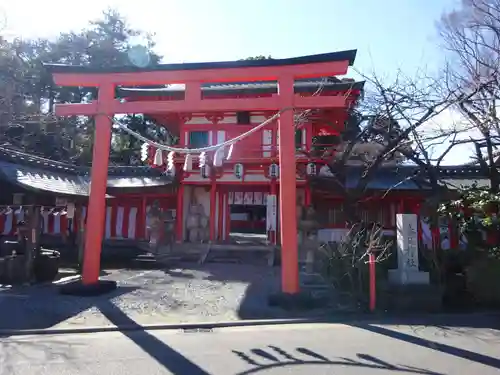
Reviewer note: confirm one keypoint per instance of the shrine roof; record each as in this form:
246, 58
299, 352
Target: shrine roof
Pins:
238, 88
37, 173
348, 55
33, 178
408, 177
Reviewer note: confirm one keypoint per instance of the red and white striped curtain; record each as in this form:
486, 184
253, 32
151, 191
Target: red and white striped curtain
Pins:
121, 222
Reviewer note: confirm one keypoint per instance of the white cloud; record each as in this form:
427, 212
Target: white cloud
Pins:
451, 122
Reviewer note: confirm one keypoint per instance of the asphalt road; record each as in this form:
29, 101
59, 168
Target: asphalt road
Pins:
298, 349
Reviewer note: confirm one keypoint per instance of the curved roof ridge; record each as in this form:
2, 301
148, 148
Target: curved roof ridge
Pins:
347, 55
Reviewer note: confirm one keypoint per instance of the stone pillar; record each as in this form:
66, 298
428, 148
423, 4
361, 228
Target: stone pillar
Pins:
407, 252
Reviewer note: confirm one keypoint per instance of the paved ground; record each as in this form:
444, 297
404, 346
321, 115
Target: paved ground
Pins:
212, 292
304, 349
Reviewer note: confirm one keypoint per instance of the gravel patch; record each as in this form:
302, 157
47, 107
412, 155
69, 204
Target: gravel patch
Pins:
207, 293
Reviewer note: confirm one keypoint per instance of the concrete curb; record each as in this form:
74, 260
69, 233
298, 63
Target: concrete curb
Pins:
157, 327
346, 318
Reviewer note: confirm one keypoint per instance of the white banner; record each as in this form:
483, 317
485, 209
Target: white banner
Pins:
272, 212
248, 198
257, 198
238, 197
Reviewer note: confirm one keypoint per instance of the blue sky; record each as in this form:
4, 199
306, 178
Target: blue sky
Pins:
388, 34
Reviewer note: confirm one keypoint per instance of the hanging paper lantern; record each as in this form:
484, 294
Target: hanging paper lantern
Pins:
311, 169
238, 171
205, 171
274, 170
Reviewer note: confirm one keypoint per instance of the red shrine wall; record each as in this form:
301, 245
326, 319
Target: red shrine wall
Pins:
228, 192
257, 145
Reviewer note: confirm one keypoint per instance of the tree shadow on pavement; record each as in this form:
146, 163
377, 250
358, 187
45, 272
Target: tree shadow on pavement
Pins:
455, 321
275, 357
170, 359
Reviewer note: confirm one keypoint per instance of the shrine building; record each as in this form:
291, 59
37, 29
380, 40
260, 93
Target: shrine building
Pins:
238, 198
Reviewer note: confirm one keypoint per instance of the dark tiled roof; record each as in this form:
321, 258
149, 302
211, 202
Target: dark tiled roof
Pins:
38, 179
447, 171
244, 88
405, 177
34, 172
384, 181
349, 56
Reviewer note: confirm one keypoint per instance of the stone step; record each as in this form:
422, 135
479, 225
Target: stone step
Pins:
248, 256
214, 253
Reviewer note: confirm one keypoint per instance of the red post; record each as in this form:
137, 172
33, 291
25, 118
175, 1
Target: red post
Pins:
227, 218
220, 215
288, 190
373, 282
99, 178
179, 215
213, 191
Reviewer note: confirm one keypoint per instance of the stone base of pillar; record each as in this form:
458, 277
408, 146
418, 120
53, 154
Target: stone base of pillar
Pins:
297, 301
410, 298
399, 277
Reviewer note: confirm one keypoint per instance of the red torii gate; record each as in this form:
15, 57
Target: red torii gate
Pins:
284, 71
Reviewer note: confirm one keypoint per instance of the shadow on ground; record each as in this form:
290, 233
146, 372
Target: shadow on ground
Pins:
41, 307
169, 358
446, 325
473, 327
273, 357
185, 292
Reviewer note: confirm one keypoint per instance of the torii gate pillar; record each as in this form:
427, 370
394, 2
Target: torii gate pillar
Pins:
94, 230
288, 189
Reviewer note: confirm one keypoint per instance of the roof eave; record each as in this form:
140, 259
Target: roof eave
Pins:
348, 55
207, 91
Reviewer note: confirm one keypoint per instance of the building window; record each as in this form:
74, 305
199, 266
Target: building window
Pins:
198, 139
243, 118
298, 138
